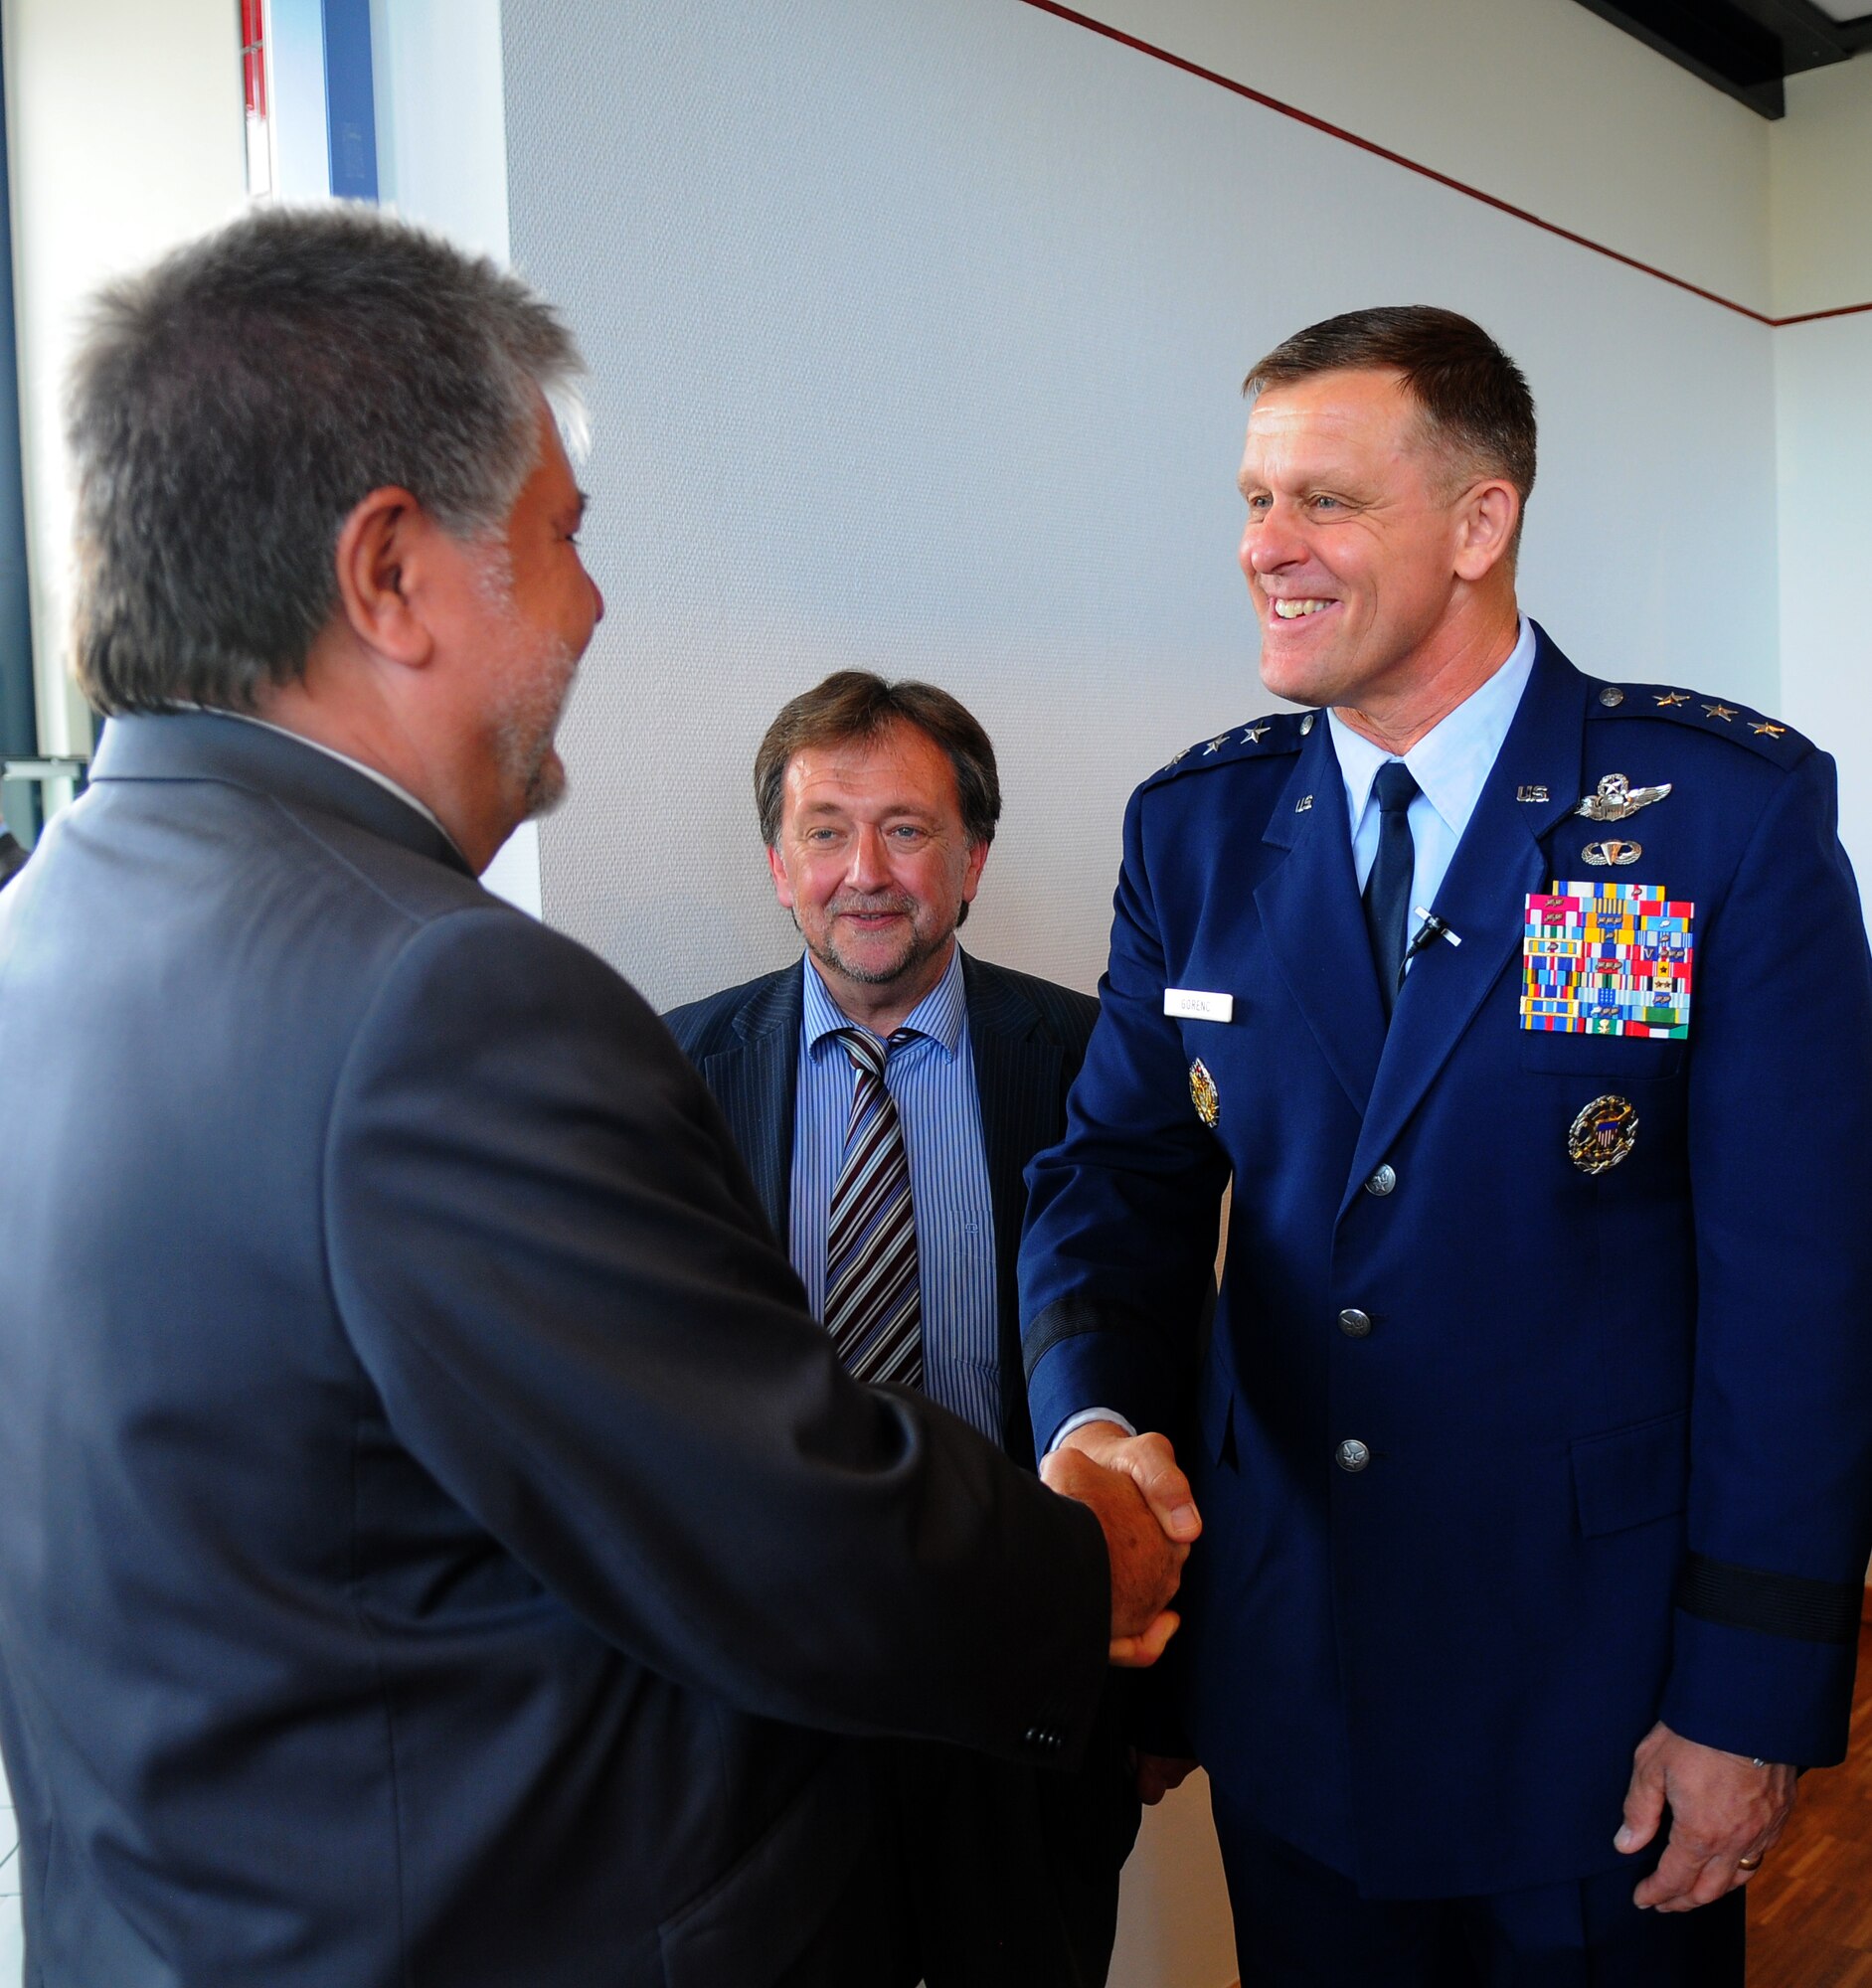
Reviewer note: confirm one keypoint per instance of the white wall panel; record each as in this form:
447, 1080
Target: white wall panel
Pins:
917, 336
1825, 409
1822, 166
1536, 101
124, 138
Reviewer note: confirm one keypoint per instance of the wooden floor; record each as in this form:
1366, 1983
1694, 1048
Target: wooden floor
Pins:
1810, 1909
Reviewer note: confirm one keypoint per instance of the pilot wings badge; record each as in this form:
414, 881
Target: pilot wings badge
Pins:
1619, 800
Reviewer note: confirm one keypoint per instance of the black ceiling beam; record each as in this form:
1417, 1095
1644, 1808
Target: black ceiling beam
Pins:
1744, 47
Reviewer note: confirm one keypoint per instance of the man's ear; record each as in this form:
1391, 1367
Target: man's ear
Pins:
375, 545
783, 890
1486, 516
972, 877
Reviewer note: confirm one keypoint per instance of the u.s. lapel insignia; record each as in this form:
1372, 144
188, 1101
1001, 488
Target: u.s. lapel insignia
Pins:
1603, 1134
1202, 1093
1530, 794
1612, 854
1619, 800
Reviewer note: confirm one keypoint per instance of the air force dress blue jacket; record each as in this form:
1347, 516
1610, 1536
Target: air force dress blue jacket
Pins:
1539, 1400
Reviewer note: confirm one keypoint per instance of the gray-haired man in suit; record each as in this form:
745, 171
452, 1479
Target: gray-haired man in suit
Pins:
433, 1521
887, 1091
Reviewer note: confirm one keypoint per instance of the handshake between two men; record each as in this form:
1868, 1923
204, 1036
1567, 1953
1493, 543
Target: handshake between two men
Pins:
1133, 1487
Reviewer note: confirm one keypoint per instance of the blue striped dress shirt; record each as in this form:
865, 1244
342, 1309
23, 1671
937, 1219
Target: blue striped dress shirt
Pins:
932, 1084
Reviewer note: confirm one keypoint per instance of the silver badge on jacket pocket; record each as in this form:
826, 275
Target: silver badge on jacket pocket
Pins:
1603, 1134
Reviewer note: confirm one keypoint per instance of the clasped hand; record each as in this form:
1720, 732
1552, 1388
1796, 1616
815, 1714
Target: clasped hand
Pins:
1142, 1501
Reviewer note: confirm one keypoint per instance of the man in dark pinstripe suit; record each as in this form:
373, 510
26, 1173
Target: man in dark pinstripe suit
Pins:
878, 803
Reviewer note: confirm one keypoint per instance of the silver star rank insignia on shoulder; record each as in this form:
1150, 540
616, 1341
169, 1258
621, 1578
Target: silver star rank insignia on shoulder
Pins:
1619, 800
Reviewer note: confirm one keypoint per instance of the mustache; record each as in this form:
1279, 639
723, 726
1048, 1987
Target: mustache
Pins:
894, 902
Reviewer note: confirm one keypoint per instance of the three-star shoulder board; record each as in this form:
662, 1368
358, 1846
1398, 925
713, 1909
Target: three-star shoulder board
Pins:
1725, 718
1279, 733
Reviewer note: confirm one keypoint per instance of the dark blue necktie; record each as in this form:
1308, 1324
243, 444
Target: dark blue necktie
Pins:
1388, 888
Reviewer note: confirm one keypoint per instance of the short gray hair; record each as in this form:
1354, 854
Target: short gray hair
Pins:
230, 408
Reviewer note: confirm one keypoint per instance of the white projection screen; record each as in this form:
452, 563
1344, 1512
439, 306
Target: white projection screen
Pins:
917, 333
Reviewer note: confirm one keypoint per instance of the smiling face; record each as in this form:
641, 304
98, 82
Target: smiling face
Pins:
874, 864
1361, 549
545, 606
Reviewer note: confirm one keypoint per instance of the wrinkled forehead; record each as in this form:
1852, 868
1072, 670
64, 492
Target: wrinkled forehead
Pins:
900, 767
1360, 413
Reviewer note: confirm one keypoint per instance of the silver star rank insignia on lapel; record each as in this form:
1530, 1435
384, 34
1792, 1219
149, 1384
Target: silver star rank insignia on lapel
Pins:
1619, 800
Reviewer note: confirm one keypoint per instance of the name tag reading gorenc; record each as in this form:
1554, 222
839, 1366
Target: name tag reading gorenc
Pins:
1192, 1004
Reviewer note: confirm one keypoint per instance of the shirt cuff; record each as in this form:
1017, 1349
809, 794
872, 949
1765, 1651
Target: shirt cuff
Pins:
1080, 1420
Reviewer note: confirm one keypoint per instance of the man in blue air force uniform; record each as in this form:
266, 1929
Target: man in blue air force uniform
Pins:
1530, 1014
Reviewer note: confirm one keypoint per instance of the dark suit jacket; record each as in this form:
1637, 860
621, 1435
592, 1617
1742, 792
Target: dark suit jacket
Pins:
1614, 1426
1028, 1036
425, 1491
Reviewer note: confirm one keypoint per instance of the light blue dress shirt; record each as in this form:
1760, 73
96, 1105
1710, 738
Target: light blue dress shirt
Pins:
1450, 764
932, 1080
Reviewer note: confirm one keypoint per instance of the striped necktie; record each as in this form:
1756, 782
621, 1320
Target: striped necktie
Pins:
873, 1303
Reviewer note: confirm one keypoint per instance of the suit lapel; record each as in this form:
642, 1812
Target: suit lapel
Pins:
1017, 1078
756, 1084
1309, 910
1482, 900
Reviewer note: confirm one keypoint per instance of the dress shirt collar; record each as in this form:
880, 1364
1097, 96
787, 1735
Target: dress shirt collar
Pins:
940, 1014
1451, 761
384, 780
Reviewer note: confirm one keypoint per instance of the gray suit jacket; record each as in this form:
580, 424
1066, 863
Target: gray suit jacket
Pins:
426, 1494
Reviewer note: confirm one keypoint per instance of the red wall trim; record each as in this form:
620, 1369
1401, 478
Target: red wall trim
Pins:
1305, 118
